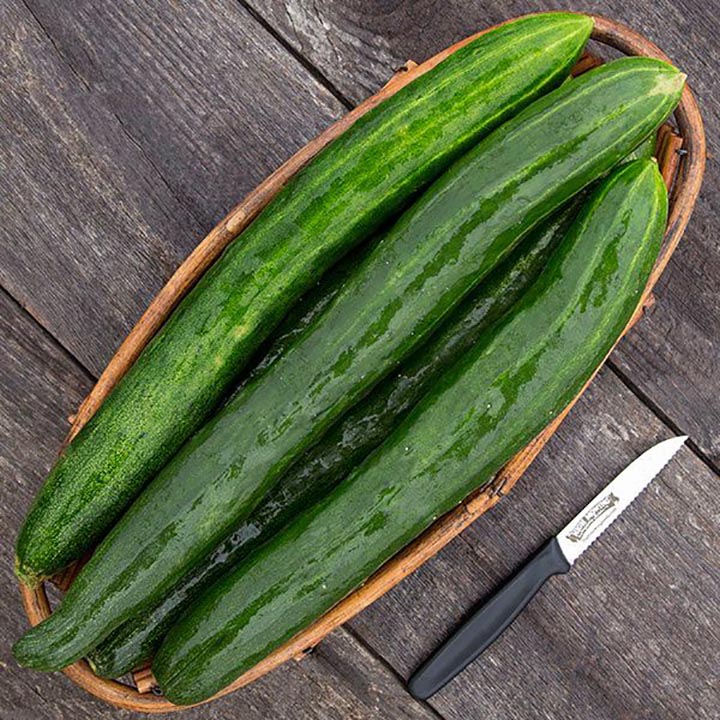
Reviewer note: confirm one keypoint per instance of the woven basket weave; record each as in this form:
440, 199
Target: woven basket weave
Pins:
681, 155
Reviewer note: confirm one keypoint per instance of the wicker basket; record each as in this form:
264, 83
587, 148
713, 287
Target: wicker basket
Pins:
681, 155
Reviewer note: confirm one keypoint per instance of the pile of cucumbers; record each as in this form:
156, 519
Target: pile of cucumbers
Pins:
408, 313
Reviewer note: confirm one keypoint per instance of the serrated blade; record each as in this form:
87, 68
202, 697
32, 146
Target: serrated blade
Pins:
582, 531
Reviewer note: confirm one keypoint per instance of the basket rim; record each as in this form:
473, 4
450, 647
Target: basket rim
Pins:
686, 171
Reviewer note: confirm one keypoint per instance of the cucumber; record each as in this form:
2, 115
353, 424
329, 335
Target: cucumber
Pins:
348, 442
347, 191
491, 404
462, 226
303, 314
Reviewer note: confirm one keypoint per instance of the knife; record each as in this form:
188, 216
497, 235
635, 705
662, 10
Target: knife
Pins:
556, 557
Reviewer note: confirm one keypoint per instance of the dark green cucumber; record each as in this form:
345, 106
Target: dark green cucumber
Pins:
303, 314
348, 190
465, 224
491, 404
348, 442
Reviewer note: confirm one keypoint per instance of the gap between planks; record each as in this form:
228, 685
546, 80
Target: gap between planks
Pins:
297, 55
659, 413
49, 335
370, 649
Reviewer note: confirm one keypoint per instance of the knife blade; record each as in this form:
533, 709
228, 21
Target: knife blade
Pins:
556, 557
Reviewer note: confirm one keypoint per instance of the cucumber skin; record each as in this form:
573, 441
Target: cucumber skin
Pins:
646, 149
461, 227
200, 352
348, 442
494, 401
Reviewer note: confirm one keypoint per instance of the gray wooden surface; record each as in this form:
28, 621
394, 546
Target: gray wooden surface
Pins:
127, 129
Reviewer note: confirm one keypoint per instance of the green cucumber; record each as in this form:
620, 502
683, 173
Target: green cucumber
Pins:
465, 224
303, 314
491, 404
348, 442
340, 198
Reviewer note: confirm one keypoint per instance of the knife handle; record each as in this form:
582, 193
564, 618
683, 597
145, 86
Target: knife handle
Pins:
488, 622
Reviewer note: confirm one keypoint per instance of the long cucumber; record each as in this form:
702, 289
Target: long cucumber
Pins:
485, 409
462, 226
348, 190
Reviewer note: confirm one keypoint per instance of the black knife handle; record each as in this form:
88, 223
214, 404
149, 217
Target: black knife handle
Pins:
488, 622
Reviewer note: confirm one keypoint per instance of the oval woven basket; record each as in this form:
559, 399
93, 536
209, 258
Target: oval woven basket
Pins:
681, 155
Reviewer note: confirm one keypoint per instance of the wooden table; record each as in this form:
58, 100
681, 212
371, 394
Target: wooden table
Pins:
127, 129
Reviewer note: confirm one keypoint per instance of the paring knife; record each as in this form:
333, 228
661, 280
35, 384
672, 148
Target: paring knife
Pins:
555, 557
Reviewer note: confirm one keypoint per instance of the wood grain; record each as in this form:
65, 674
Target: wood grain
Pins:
39, 384
674, 359
131, 129
631, 632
